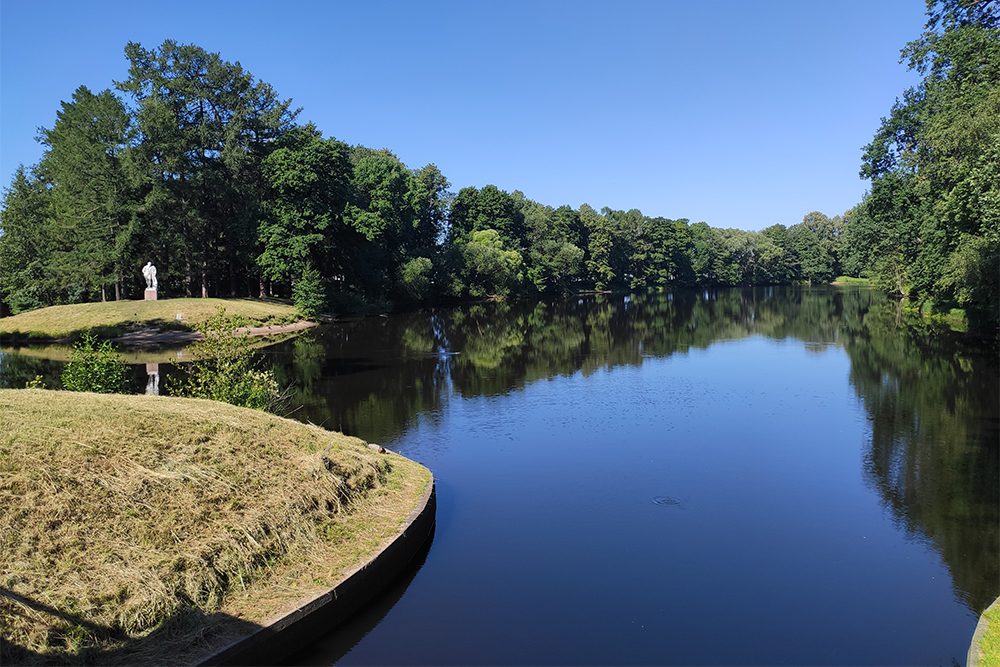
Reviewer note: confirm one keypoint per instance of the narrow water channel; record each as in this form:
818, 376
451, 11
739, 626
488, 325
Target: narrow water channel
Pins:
752, 477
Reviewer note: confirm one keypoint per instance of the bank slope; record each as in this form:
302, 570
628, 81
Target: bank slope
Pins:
115, 318
156, 530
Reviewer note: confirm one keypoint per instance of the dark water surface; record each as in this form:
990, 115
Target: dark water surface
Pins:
740, 477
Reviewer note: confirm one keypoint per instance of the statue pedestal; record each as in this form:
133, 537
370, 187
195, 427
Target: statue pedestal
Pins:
153, 379
150, 294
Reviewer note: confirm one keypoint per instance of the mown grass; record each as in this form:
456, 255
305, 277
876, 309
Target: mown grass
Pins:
989, 645
113, 318
140, 529
849, 280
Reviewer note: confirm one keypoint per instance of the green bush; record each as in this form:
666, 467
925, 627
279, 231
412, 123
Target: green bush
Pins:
415, 277
224, 368
308, 294
96, 368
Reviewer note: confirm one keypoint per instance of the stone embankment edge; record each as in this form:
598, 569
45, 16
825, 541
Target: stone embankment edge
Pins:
324, 612
975, 651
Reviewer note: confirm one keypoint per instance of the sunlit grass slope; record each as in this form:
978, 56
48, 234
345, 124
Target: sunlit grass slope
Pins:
989, 645
142, 529
113, 318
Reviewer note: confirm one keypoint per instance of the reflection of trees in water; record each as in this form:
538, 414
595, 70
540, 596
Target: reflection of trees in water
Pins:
371, 377
932, 400
21, 365
17, 369
931, 395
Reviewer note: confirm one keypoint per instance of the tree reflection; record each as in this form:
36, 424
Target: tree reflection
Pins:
930, 394
932, 398
18, 369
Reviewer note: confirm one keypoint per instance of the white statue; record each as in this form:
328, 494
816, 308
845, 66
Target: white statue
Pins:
149, 273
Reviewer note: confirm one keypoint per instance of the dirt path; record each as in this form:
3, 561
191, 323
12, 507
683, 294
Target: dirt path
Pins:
153, 337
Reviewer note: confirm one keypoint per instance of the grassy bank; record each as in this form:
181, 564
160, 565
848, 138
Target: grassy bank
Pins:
113, 318
138, 529
989, 643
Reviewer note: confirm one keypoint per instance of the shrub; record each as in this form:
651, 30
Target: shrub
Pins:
224, 368
96, 368
308, 294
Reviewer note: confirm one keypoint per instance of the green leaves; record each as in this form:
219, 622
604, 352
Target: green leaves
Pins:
95, 368
935, 199
205, 126
224, 368
93, 199
308, 294
26, 240
489, 270
308, 179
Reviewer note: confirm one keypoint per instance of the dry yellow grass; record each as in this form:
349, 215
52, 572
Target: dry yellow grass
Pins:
151, 529
112, 318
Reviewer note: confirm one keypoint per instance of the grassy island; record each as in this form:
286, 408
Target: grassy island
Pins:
141, 529
113, 318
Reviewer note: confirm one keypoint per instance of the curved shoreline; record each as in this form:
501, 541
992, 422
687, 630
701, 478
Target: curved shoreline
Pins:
975, 656
319, 614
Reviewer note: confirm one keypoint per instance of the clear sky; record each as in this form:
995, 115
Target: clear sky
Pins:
739, 113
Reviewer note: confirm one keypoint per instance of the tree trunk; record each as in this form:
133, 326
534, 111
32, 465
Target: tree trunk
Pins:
263, 290
233, 281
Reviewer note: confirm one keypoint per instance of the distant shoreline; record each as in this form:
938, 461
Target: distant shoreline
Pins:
147, 323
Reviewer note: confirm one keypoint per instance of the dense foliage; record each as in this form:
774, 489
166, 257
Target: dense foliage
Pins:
224, 368
194, 165
95, 367
930, 226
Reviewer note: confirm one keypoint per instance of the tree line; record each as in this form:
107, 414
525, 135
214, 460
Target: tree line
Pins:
930, 225
193, 164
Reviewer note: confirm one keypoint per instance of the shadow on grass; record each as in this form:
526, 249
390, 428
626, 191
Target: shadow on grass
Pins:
101, 332
184, 638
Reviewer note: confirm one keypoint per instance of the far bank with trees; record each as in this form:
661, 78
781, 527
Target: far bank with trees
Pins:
193, 164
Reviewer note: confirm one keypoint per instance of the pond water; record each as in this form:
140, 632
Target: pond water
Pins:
752, 477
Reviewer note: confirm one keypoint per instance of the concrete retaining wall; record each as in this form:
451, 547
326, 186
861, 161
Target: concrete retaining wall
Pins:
323, 613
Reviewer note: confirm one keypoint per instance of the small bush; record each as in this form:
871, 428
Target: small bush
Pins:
224, 368
308, 294
95, 368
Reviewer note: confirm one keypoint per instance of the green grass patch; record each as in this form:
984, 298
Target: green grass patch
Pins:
152, 530
849, 280
947, 313
113, 318
989, 645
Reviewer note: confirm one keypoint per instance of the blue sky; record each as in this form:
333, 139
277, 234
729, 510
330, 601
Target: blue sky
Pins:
742, 114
